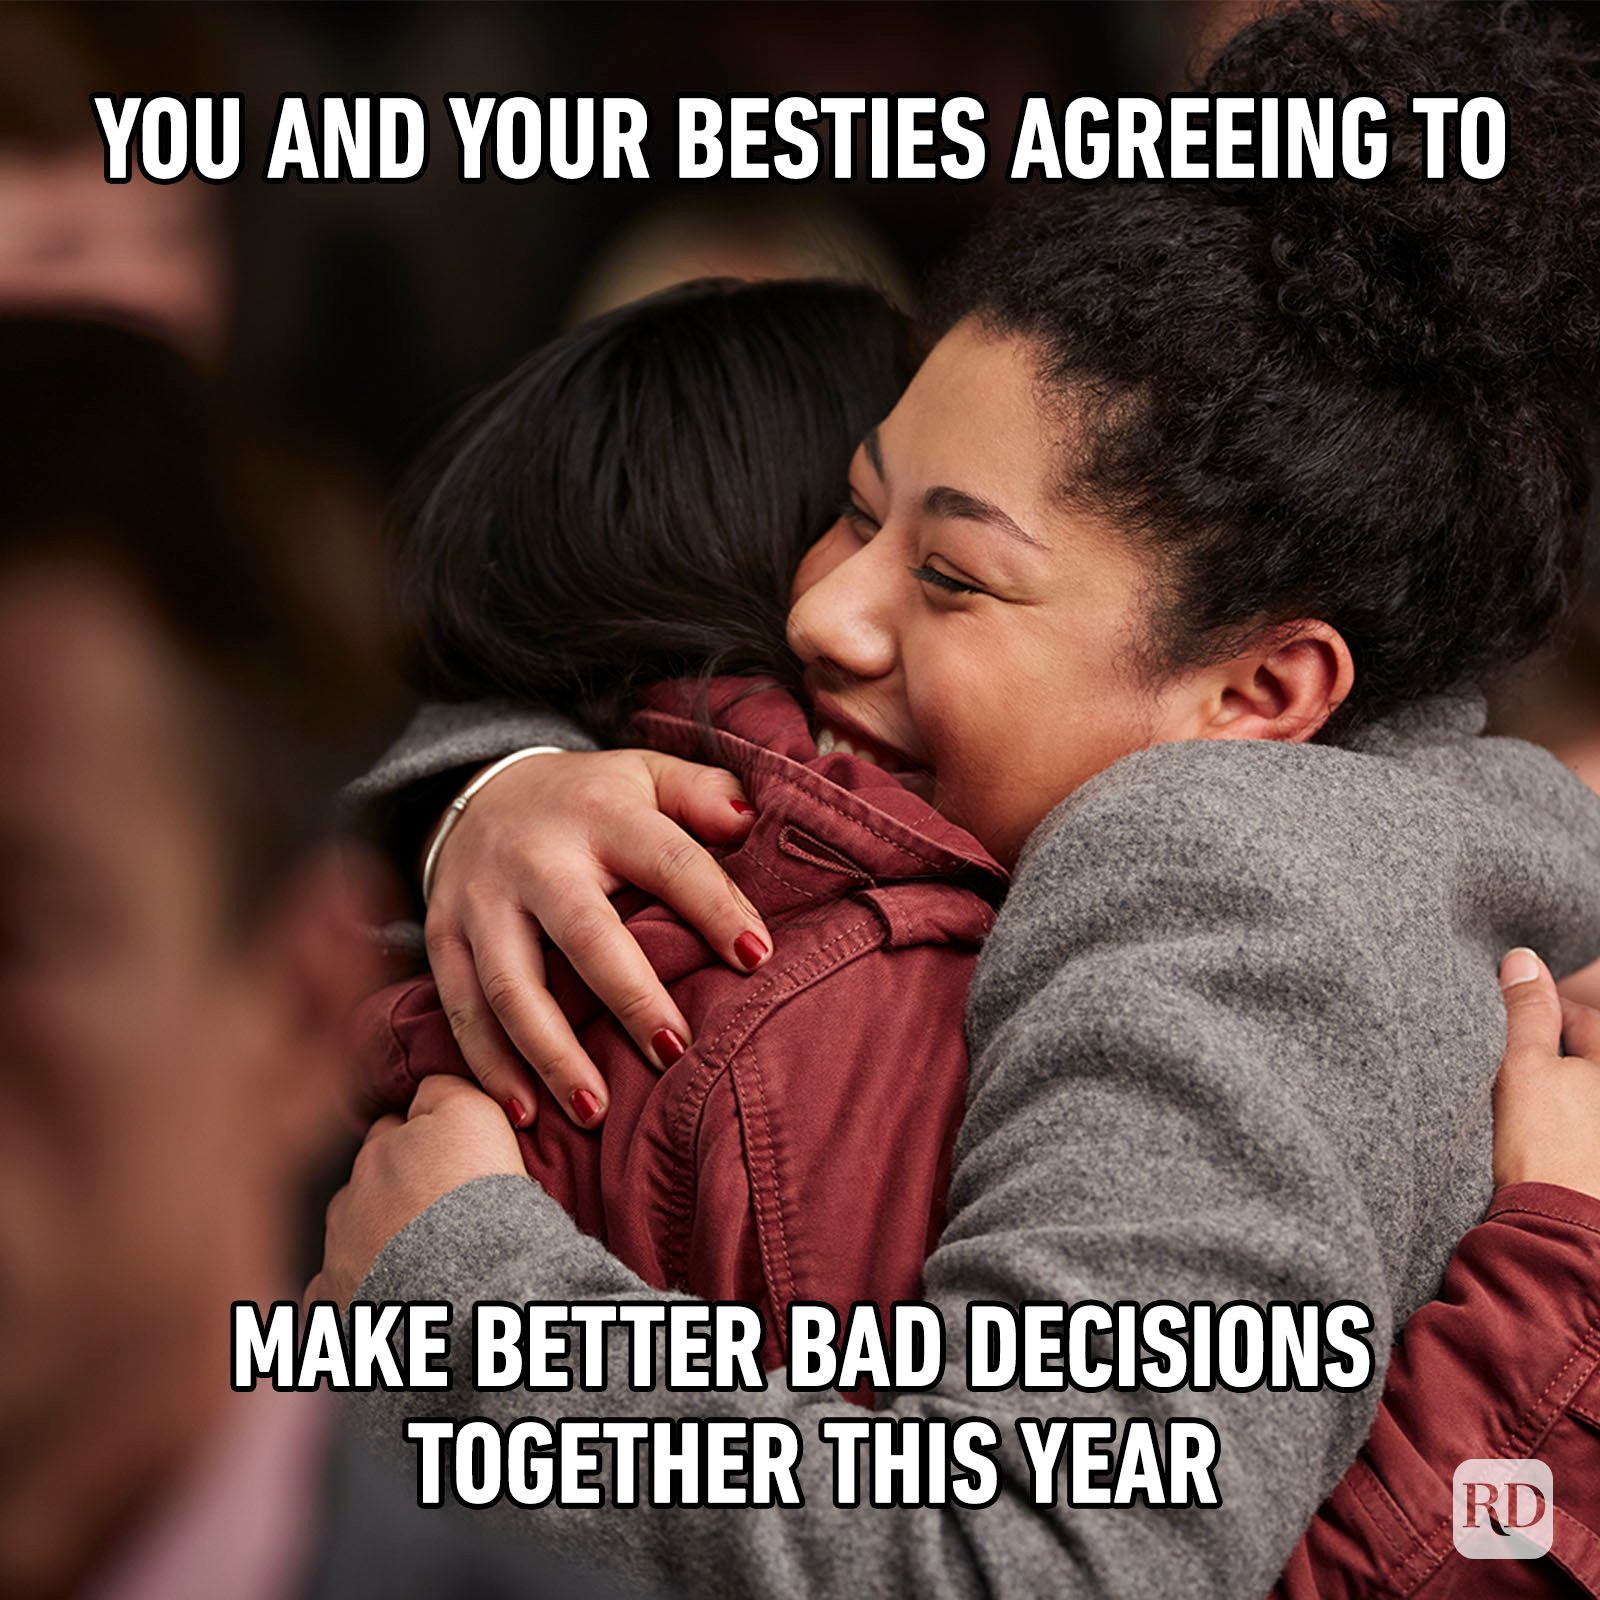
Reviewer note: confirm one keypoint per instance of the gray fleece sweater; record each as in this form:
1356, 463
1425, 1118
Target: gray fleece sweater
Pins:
1233, 1037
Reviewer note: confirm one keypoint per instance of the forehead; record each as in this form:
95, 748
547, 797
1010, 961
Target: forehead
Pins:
91, 708
974, 418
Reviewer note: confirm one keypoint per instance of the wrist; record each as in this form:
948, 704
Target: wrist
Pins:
433, 846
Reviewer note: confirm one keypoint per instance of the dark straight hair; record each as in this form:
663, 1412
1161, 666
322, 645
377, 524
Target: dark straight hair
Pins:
629, 505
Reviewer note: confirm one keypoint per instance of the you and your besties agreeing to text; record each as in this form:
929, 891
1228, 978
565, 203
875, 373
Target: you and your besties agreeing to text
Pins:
797, 139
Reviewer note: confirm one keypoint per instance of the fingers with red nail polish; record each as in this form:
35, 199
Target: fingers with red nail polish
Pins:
668, 1047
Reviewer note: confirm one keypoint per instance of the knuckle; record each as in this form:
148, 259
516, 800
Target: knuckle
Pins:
441, 1091
442, 932
567, 897
463, 1016
489, 1076
742, 902
556, 1068
595, 791
584, 932
502, 989
632, 1005
483, 888
677, 859
607, 778
715, 781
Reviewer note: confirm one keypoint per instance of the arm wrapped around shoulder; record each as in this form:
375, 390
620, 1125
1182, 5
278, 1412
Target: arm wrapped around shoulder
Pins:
1233, 1039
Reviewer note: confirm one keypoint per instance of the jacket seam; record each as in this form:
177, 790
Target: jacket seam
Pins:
1584, 1358
780, 1262
1541, 1211
1365, 1480
717, 1055
755, 861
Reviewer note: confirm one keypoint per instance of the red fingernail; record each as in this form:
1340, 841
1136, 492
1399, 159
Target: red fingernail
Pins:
743, 807
667, 1046
585, 1104
515, 1112
750, 951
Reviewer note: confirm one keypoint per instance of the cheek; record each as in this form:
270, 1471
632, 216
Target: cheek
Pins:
962, 703
1012, 731
118, 1085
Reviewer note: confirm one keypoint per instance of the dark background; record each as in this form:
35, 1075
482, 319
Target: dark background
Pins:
366, 311
357, 317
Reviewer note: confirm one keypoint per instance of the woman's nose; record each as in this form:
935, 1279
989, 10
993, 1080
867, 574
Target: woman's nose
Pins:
846, 619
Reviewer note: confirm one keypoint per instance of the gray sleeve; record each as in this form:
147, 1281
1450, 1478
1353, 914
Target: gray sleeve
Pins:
440, 738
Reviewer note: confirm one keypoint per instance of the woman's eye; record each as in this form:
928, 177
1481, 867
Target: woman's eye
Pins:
860, 521
942, 580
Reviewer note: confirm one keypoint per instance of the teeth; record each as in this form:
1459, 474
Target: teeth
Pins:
830, 743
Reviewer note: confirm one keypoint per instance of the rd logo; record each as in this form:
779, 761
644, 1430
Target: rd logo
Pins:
1503, 1510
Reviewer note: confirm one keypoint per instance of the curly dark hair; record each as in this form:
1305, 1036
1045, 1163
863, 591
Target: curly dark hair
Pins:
1371, 403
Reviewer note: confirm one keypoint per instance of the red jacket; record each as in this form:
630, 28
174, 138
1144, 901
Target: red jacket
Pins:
1505, 1364
801, 1149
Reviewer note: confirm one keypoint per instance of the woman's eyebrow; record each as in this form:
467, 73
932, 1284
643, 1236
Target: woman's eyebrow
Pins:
943, 501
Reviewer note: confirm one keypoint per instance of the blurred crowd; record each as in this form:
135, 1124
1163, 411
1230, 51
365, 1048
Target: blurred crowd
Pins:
366, 311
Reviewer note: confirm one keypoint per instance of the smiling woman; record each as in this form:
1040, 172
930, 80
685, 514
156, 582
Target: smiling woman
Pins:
573, 561
1011, 669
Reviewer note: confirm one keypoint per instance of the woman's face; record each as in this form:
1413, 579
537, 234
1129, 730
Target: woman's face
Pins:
961, 621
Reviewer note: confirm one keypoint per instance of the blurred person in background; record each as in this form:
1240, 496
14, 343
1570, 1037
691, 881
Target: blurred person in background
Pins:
153, 254
179, 949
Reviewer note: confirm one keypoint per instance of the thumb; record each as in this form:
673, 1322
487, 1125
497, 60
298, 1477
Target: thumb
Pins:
707, 801
1533, 1008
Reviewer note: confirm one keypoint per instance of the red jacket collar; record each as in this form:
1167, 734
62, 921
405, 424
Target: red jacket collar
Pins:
868, 824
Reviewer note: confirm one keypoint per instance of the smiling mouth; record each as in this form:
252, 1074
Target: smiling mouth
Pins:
834, 740
830, 741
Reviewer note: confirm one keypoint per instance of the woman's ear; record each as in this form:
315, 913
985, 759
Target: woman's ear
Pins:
1284, 688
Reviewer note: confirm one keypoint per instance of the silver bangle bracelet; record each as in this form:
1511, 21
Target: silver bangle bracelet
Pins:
452, 816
